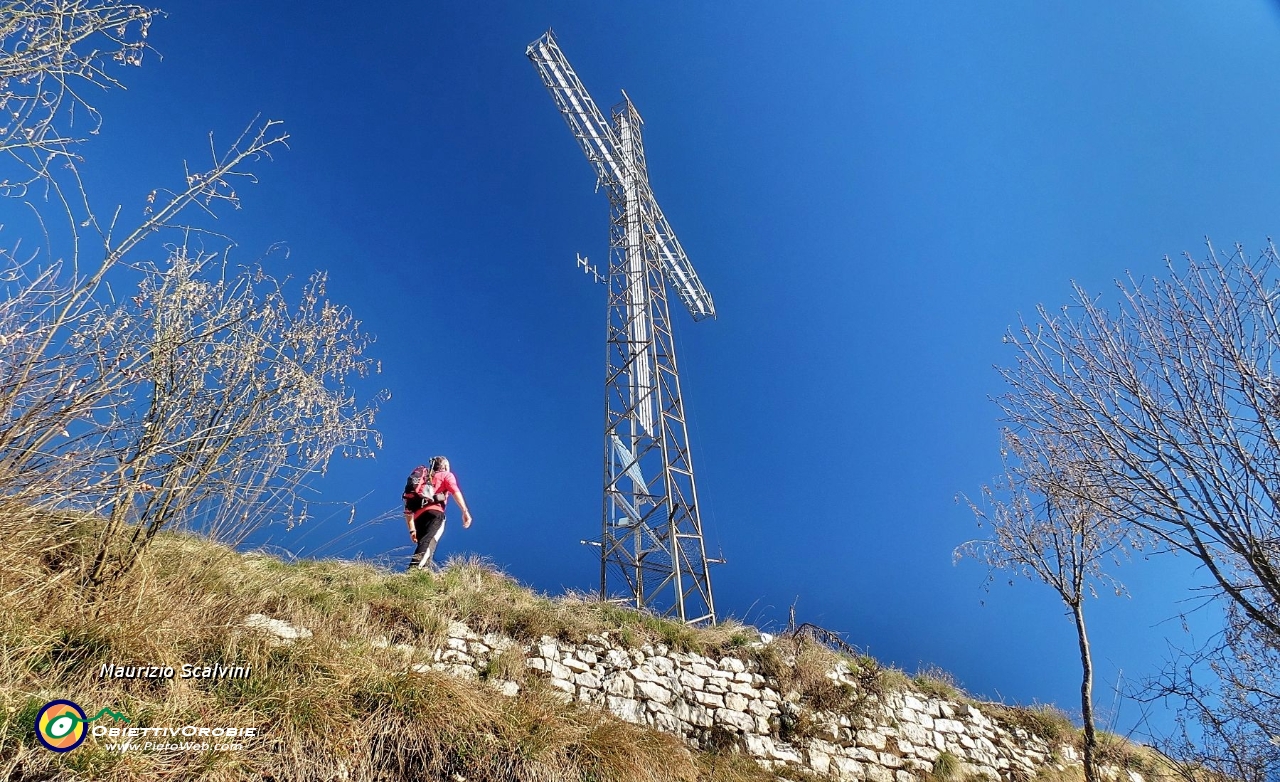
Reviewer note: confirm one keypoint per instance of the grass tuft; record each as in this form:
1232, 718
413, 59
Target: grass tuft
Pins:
940, 684
1043, 720
945, 768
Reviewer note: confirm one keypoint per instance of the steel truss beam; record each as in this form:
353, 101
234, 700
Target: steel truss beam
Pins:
651, 543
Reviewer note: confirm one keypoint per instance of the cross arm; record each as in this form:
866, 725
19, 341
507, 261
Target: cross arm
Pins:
679, 271
580, 112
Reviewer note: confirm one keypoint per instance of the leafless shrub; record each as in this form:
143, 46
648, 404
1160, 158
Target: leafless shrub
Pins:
230, 399
206, 400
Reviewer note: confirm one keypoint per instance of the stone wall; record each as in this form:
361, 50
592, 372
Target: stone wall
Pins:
894, 738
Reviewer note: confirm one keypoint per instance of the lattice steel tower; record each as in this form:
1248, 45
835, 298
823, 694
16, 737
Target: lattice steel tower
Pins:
652, 533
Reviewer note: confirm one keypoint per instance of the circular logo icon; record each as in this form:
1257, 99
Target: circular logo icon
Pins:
60, 726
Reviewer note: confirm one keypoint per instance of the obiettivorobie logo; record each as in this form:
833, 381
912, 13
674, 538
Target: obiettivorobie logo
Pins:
61, 726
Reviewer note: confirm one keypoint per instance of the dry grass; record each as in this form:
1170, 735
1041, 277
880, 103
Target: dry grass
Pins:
1048, 722
937, 683
1050, 773
802, 665
945, 769
1114, 750
337, 704
488, 601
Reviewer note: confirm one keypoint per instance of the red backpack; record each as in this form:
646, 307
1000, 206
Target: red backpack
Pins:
419, 490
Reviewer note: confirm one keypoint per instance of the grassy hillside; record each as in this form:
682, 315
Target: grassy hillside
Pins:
345, 702
341, 704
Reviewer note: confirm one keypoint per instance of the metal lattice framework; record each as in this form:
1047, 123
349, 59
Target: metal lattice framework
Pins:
652, 534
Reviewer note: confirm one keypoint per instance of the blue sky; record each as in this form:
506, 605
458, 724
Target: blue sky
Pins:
872, 193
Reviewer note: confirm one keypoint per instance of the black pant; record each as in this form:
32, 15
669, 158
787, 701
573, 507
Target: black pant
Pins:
429, 525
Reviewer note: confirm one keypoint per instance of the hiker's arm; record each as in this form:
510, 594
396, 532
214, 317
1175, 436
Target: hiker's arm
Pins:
413, 533
462, 503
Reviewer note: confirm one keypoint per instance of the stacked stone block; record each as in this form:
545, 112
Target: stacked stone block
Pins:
897, 738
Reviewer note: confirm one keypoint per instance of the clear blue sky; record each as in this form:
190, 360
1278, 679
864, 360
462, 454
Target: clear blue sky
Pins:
871, 192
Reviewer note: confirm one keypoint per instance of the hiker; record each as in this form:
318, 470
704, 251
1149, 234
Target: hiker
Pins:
424, 508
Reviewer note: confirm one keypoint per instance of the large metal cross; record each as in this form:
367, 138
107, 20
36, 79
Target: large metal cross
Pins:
652, 534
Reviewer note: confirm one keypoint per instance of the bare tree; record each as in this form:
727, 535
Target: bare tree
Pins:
1048, 525
1175, 399
206, 400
